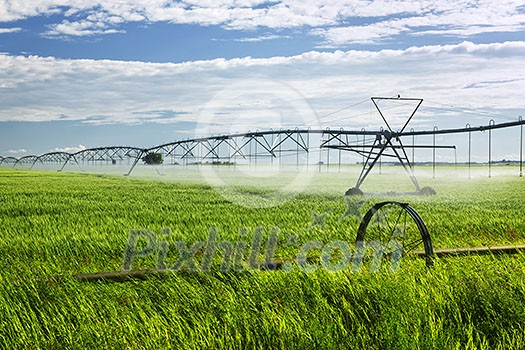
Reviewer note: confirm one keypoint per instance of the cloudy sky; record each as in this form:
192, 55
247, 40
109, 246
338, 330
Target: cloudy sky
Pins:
86, 73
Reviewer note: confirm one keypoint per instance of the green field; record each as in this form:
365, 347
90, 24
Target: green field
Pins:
59, 224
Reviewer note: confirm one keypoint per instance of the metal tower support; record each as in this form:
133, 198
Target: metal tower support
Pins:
9, 160
384, 140
52, 157
26, 160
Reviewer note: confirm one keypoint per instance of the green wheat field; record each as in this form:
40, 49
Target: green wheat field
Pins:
60, 224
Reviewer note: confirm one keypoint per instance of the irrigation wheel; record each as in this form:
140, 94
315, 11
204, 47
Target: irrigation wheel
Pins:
393, 229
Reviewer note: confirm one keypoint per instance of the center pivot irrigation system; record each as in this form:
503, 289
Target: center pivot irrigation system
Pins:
387, 229
276, 144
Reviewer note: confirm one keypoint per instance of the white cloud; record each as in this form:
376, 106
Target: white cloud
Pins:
81, 28
462, 20
369, 34
72, 149
488, 77
338, 22
10, 30
20, 151
262, 38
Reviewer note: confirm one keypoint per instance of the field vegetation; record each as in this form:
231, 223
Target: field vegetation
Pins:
60, 224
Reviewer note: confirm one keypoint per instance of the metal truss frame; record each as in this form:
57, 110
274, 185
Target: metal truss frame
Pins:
275, 144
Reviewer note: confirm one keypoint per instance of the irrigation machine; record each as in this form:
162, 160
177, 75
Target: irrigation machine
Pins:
384, 223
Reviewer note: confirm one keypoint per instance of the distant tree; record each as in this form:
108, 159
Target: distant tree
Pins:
152, 158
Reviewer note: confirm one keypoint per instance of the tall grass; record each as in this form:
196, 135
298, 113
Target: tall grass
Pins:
60, 224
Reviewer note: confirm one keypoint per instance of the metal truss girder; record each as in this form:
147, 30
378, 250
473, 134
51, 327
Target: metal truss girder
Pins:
103, 154
266, 145
211, 148
235, 148
239, 150
336, 140
9, 160
189, 150
289, 136
333, 136
26, 160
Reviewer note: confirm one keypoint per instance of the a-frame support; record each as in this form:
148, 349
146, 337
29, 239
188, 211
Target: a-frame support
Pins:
388, 139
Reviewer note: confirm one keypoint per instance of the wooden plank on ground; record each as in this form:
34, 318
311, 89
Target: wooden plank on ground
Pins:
495, 250
121, 276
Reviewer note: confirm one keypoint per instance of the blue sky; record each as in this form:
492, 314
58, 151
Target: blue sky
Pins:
87, 73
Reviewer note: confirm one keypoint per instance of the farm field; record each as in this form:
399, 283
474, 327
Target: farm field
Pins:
59, 224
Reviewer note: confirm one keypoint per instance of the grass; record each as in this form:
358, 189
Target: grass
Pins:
60, 224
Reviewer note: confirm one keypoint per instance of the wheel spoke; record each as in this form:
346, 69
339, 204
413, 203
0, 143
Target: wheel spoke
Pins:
392, 230
410, 246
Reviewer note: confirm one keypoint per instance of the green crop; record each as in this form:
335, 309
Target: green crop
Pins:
58, 224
